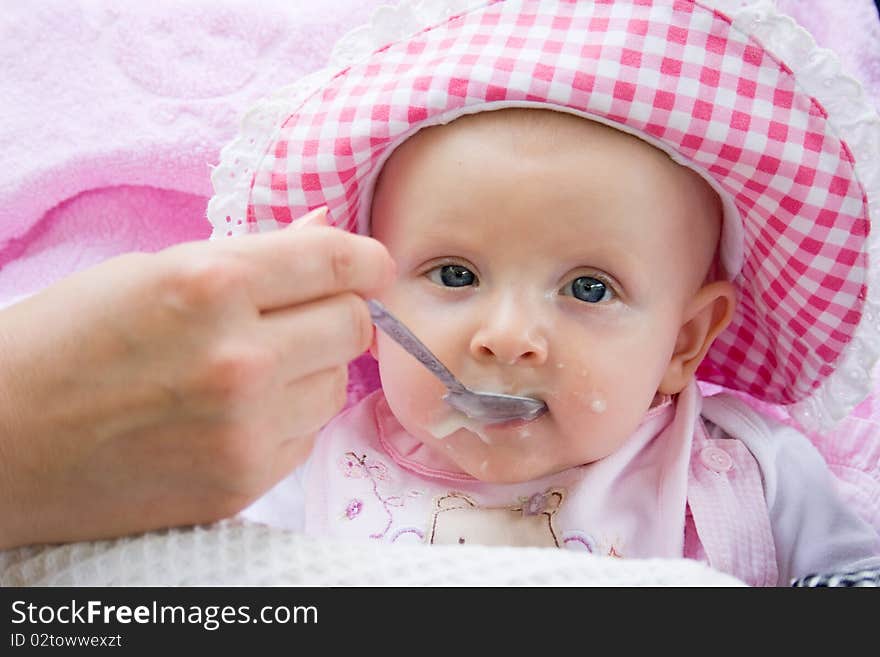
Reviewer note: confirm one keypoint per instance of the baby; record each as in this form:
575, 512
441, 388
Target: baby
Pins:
555, 239
543, 255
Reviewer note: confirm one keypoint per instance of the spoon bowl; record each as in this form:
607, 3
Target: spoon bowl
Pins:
492, 408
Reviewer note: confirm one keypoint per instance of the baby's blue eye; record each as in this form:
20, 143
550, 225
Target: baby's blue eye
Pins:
452, 276
589, 289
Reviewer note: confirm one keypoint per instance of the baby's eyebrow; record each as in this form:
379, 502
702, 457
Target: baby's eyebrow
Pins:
604, 254
442, 243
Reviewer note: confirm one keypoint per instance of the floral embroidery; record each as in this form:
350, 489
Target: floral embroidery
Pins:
353, 509
351, 466
394, 500
356, 467
360, 467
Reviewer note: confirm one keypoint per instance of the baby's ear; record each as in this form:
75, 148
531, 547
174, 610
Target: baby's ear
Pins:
708, 313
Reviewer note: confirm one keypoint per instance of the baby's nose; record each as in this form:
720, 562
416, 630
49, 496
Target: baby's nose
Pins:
510, 341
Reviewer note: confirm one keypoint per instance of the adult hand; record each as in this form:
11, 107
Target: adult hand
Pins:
174, 388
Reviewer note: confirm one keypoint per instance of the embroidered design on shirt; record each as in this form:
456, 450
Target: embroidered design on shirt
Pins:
359, 467
577, 540
458, 519
353, 509
356, 467
404, 531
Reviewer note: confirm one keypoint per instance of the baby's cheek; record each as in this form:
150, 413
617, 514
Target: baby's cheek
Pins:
594, 415
586, 408
570, 402
580, 391
413, 394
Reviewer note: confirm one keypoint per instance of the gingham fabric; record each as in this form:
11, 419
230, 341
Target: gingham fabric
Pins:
862, 578
672, 71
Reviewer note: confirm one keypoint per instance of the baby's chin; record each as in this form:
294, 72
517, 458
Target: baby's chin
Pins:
517, 453
505, 453
500, 458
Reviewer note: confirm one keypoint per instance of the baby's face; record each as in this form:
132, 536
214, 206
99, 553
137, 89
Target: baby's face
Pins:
540, 255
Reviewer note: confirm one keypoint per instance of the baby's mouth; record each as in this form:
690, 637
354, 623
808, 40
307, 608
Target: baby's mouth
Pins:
450, 420
494, 408
516, 424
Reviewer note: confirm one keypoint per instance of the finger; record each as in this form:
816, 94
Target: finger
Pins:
279, 464
290, 267
290, 454
284, 419
318, 335
307, 404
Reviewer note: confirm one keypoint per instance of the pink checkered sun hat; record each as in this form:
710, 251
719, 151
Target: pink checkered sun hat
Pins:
729, 88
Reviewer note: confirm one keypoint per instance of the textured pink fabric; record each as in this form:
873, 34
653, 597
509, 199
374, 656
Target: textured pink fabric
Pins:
729, 512
112, 116
669, 70
84, 230
852, 451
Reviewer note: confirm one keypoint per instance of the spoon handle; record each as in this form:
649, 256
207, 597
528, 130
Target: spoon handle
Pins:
406, 339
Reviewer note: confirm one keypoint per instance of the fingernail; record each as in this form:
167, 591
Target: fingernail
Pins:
317, 217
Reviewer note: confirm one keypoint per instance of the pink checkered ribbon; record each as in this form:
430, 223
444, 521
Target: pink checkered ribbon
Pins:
671, 70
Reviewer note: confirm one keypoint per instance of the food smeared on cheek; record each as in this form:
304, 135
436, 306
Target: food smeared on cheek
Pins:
452, 421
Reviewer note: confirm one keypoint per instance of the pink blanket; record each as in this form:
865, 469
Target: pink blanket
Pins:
113, 114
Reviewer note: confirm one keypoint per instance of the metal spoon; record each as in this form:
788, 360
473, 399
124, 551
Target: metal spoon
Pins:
487, 407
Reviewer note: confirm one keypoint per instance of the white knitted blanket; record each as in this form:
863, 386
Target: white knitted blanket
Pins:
234, 553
